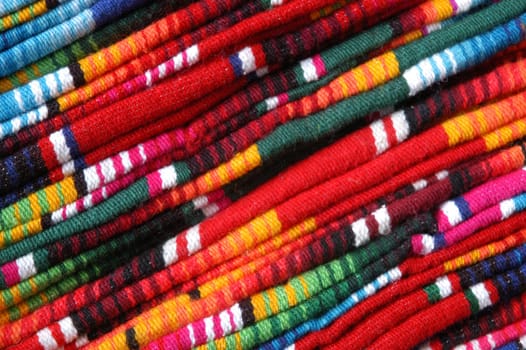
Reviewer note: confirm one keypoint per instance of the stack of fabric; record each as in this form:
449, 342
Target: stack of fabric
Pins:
300, 174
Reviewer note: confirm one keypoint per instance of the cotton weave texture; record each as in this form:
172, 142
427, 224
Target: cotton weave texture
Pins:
263, 174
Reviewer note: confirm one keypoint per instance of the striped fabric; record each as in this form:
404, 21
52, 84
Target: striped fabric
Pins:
262, 174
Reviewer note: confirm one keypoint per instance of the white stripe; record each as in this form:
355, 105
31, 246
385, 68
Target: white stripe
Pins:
425, 346
463, 5
355, 298
192, 55
193, 238
309, 70
60, 147
16, 125
427, 71
71, 210
395, 274
56, 216
440, 65
200, 202
107, 170
226, 326
26, 266
210, 210
419, 185
238, 320
162, 70
41, 114
262, 71
491, 341
32, 117
125, 161
400, 126
452, 59
272, 102
87, 201
383, 279
209, 328
369, 289
168, 177
507, 208
68, 168
36, 90
46, 340
66, 79
433, 27
380, 136
148, 75
412, 78
383, 219
441, 175
451, 211
68, 329
444, 287
170, 252
361, 232
51, 83
18, 98
178, 61
191, 334
428, 244
248, 61
91, 178
142, 153
83, 340
482, 295
475, 345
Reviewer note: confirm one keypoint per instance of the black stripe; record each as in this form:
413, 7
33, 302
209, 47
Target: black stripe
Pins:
194, 294
247, 312
80, 184
50, 4
396, 27
131, 341
77, 74
53, 108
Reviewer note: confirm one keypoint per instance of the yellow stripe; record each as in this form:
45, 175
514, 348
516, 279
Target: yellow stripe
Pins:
304, 285
259, 309
69, 190
34, 226
8, 22
34, 204
52, 197
443, 9
412, 36
17, 212
392, 64
116, 341
17, 233
505, 135
273, 300
361, 80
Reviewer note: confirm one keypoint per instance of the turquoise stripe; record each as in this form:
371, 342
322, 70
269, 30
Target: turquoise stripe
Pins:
46, 21
8, 6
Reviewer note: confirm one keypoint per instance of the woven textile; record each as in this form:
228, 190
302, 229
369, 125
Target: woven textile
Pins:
262, 174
